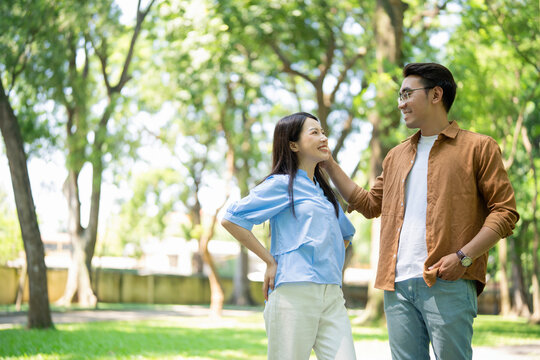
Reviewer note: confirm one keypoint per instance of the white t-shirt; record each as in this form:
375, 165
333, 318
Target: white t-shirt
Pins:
412, 251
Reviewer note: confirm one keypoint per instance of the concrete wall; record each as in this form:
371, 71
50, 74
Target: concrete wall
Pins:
126, 286
8, 285
115, 286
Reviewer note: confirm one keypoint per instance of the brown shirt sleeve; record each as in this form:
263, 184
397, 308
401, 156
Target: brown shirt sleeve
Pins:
368, 203
495, 187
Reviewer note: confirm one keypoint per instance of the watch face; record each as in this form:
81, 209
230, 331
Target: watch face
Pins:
466, 261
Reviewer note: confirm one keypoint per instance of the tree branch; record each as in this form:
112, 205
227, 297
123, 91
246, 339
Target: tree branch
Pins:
124, 77
343, 75
287, 64
509, 37
229, 103
86, 68
329, 55
510, 160
102, 56
347, 128
294, 90
430, 13
23, 55
519, 123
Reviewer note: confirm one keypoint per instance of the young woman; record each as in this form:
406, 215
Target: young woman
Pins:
305, 308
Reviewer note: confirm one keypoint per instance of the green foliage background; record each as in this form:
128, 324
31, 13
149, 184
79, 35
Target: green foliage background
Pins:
212, 76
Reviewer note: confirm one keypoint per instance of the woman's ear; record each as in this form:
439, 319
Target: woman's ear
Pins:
293, 146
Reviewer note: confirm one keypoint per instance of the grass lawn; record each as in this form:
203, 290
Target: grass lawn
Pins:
492, 330
200, 338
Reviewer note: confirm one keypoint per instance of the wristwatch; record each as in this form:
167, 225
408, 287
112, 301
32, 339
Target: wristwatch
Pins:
465, 260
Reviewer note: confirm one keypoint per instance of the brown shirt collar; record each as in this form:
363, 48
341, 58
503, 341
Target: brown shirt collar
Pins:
450, 131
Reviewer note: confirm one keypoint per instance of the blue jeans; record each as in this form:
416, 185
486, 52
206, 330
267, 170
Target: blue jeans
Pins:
443, 315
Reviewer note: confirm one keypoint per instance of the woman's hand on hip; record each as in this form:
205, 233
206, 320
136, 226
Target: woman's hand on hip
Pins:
269, 278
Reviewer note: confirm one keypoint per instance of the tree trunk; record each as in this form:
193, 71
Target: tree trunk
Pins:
388, 36
39, 314
521, 306
78, 283
389, 30
217, 297
504, 288
84, 240
375, 305
374, 311
323, 108
535, 317
241, 291
20, 287
241, 295
95, 201
216, 290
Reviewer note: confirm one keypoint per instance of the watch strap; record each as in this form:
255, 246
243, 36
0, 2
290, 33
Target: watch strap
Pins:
464, 259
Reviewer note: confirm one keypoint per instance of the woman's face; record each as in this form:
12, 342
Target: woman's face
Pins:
312, 145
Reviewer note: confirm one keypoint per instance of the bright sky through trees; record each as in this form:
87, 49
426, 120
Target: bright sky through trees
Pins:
48, 174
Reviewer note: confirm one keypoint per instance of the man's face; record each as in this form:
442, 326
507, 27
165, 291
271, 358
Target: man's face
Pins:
415, 103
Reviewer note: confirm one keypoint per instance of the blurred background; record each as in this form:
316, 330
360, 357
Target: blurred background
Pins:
142, 120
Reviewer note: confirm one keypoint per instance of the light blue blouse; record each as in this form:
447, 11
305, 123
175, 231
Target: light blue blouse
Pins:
309, 247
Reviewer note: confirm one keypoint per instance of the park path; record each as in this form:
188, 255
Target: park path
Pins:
369, 350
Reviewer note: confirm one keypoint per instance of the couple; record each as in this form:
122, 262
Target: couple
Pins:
445, 200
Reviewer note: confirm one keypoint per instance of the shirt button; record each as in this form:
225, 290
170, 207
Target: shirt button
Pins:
394, 256
411, 161
402, 203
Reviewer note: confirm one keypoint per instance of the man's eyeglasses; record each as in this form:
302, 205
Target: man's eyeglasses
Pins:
406, 95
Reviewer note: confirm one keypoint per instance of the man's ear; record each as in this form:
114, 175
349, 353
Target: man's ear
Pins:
293, 146
437, 94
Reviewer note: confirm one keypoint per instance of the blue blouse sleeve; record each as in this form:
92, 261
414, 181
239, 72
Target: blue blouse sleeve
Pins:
263, 202
347, 228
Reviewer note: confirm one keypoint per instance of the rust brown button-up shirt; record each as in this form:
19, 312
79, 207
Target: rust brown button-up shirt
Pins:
467, 188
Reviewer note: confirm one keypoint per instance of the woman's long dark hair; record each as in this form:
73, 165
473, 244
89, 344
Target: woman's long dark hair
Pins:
285, 161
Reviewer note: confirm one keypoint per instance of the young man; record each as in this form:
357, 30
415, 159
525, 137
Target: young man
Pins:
445, 200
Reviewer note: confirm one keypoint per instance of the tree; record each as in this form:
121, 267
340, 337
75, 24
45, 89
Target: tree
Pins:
401, 34
80, 125
317, 52
388, 32
59, 68
21, 28
318, 47
497, 72
144, 214
191, 52
330, 53
215, 89
39, 315
201, 164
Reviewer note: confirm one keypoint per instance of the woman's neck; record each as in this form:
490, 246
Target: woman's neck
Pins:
309, 169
